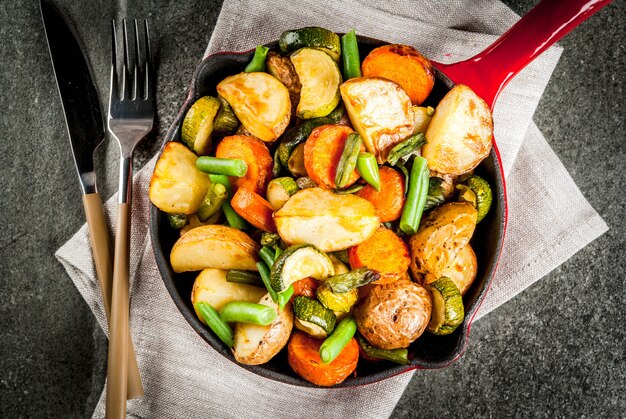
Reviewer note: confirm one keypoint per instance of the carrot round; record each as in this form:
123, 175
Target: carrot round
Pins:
257, 157
322, 152
403, 65
303, 354
305, 287
389, 201
254, 209
384, 252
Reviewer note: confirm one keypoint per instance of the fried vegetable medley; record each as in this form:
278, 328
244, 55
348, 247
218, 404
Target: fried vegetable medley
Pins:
326, 210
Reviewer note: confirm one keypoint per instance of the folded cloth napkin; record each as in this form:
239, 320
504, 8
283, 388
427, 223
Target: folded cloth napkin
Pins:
549, 219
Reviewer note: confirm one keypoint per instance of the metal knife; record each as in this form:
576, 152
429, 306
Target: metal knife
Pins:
85, 127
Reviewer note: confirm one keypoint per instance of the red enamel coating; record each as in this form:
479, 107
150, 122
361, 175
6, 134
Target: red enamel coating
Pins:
489, 71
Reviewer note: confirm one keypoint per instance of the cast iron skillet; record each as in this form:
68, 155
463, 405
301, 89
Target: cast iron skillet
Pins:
486, 73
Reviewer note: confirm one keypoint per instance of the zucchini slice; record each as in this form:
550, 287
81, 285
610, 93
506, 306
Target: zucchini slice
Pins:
312, 317
260, 101
299, 262
311, 37
482, 195
448, 312
295, 164
280, 190
198, 124
226, 121
337, 302
320, 78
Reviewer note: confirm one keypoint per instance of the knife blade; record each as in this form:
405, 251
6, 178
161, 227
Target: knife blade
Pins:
85, 127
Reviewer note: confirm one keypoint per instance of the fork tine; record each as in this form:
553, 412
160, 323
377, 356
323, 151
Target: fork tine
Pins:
148, 78
137, 67
125, 69
114, 88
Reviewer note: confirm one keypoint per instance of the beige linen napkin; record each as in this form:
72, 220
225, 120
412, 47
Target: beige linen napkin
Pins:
549, 219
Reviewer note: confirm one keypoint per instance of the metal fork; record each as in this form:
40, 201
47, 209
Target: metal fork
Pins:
130, 119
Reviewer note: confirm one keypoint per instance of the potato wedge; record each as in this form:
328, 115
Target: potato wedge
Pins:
281, 68
460, 133
462, 270
176, 186
211, 286
214, 246
260, 102
380, 111
255, 344
442, 234
327, 220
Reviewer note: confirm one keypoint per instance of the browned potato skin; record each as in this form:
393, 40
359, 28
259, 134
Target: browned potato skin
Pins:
282, 68
442, 234
462, 271
394, 315
448, 185
460, 132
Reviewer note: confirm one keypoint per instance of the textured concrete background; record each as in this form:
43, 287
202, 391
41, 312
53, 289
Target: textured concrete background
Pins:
559, 349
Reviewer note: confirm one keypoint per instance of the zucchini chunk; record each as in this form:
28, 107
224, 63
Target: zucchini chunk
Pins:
460, 133
311, 37
448, 312
325, 219
380, 111
177, 186
198, 124
479, 192
226, 122
280, 190
260, 101
312, 317
320, 78
299, 262
337, 302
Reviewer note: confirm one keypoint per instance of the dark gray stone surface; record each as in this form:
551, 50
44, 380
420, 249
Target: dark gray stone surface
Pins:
556, 350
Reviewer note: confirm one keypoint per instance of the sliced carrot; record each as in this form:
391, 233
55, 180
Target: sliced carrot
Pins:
322, 152
384, 252
389, 201
404, 65
256, 155
305, 287
254, 209
303, 354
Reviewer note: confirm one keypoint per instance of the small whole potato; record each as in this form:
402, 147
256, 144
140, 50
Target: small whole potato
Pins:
394, 315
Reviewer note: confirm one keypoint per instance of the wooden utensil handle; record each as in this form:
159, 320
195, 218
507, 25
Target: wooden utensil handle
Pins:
118, 330
100, 244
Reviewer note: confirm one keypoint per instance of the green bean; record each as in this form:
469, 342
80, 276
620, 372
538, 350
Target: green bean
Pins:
356, 278
351, 59
399, 356
341, 336
277, 166
267, 255
416, 196
215, 165
234, 219
258, 61
244, 277
347, 161
352, 189
406, 147
212, 318
265, 277
245, 312
284, 296
215, 197
278, 250
367, 166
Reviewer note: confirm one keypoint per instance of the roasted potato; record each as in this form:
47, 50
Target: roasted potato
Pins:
325, 219
394, 315
176, 186
460, 133
214, 246
462, 270
260, 101
442, 234
281, 68
211, 286
380, 111
255, 344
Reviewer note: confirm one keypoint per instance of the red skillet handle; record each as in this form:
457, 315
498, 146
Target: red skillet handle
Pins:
489, 71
